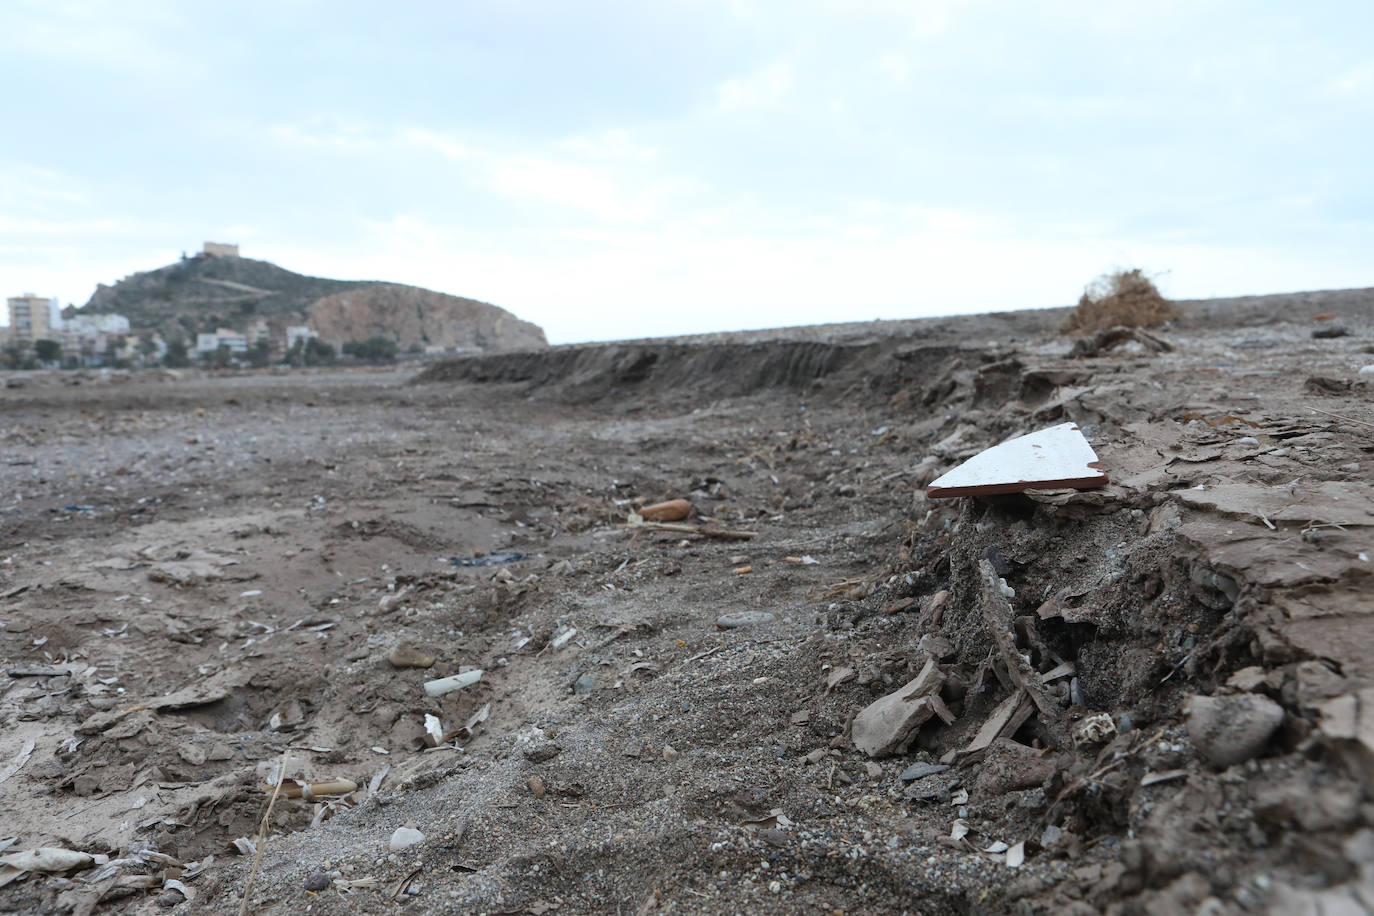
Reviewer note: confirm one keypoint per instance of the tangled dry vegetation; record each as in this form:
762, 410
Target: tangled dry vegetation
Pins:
1125, 298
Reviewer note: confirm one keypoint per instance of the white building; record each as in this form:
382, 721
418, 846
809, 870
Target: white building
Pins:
222, 337
298, 332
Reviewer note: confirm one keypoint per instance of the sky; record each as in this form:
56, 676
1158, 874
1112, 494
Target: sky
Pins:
628, 169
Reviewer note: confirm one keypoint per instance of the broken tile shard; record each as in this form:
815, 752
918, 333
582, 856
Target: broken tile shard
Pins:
1055, 458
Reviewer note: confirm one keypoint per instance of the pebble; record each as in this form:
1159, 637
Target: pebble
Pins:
1367, 370
169, 899
739, 619
584, 685
192, 754
1010, 766
219, 751
405, 837
317, 882
921, 770
1228, 730
405, 656
542, 751
536, 786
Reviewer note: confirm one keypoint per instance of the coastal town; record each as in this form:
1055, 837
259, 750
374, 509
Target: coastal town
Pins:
42, 334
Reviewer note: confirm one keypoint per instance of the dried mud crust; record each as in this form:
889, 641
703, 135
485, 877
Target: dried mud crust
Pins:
232, 567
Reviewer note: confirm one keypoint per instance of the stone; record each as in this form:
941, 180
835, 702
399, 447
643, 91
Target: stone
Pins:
541, 751
317, 882
1010, 766
219, 751
1228, 730
736, 620
192, 753
888, 724
921, 770
408, 656
405, 837
1305, 803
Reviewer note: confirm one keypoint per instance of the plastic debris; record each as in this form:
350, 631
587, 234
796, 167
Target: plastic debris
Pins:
1054, 458
440, 686
488, 559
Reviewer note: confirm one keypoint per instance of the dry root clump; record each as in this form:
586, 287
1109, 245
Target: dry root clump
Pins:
1126, 298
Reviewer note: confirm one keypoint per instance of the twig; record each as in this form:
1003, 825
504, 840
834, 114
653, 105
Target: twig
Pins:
1339, 417
263, 831
405, 882
724, 533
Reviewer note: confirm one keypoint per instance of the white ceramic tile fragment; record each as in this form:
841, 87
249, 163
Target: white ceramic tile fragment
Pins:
1050, 459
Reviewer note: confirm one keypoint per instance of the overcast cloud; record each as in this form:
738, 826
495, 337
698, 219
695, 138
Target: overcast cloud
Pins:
630, 169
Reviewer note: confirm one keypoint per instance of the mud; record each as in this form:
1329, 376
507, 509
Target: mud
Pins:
229, 564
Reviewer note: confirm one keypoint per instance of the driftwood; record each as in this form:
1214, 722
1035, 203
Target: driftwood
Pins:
1000, 620
1112, 337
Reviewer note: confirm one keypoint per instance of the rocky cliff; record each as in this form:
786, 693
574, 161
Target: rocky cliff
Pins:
410, 315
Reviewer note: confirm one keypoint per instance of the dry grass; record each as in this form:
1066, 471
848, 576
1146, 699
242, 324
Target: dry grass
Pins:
1125, 298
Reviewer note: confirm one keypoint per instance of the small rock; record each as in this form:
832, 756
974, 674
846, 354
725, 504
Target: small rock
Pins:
317, 882
774, 837
192, 754
873, 770
921, 770
669, 753
734, 621
1327, 333
1247, 678
169, 899
1011, 766
1300, 802
405, 837
1231, 729
541, 751
584, 685
408, 656
536, 786
936, 645
932, 788
219, 751
85, 784
816, 756
1367, 370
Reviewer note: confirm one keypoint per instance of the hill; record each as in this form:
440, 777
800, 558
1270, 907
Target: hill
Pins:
204, 293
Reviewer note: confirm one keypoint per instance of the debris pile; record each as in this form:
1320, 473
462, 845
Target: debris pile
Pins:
957, 617
1123, 299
